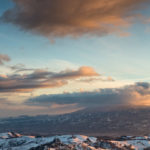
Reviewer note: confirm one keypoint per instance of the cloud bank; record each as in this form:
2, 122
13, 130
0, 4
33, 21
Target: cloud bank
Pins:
137, 94
58, 18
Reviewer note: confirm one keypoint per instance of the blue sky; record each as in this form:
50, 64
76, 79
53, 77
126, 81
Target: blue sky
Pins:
123, 58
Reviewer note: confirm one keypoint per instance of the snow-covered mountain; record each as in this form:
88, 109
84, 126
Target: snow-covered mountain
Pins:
15, 141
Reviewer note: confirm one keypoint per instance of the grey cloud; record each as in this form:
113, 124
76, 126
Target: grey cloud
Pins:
113, 96
74, 17
20, 68
144, 85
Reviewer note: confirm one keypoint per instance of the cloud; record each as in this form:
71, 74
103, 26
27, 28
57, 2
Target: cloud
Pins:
83, 71
136, 94
104, 79
4, 58
74, 17
20, 68
38, 79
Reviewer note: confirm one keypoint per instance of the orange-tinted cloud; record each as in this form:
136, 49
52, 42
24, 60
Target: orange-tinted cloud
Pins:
74, 17
83, 71
42, 79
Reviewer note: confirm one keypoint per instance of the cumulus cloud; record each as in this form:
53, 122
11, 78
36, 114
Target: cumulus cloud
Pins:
137, 94
74, 17
4, 58
42, 79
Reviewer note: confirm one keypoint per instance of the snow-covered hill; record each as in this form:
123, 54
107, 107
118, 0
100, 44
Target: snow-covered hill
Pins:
15, 141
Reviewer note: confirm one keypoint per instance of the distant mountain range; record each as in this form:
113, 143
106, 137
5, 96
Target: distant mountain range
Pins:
124, 121
15, 141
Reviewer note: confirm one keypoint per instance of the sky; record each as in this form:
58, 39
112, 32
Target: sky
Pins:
58, 57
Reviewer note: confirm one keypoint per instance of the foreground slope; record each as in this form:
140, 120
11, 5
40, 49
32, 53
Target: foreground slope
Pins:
14, 141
